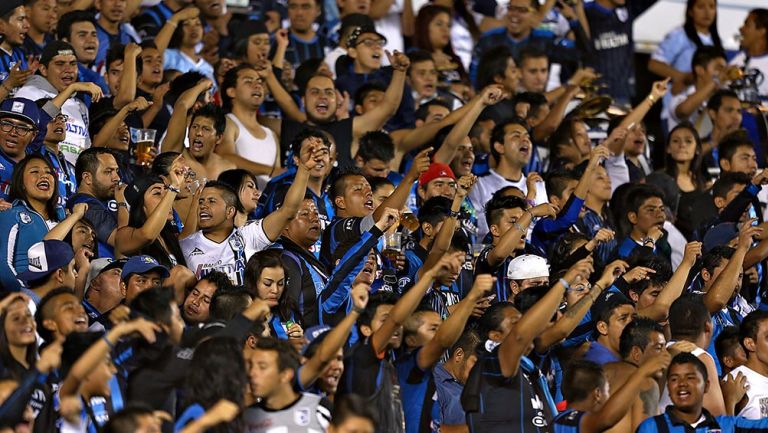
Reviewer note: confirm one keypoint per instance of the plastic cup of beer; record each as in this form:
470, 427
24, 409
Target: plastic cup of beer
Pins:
393, 245
409, 221
477, 248
145, 144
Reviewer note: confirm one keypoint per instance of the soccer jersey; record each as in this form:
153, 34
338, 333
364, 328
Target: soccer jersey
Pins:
309, 414
230, 256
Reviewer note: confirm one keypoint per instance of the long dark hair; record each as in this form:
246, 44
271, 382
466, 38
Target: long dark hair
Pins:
421, 37
670, 166
217, 371
10, 366
690, 28
235, 178
137, 218
271, 258
18, 192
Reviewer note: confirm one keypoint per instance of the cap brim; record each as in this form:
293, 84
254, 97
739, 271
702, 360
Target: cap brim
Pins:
32, 276
19, 116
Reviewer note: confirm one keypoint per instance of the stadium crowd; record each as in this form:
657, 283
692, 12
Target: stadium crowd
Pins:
381, 216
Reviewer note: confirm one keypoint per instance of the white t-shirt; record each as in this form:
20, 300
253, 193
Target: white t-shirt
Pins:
230, 256
489, 184
759, 63
757, 406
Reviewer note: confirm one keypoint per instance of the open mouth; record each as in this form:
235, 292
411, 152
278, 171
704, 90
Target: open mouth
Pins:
44, 185
196, 145
90, 49
204, 216
67, 79
376, 56
58, 130
467, 163
322, 107
525, 149
257, 94
81, 321
369, 204
125, 138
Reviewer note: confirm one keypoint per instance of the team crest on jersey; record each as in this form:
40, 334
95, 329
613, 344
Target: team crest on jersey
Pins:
622, 14
25, 218
301, 416
112, 205
539, 421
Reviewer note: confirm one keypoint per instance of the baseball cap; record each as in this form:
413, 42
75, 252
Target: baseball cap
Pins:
45, 257
314, 336
139, 186
355, 20
141, 265
436, 170
21, 108
720, 234
250, 27
101, 265
527, 266
361, 30
6, 6
53, 49
608, 300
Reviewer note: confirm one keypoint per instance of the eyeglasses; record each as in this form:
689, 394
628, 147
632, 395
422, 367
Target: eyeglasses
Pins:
370, 43
61, 118
21, 130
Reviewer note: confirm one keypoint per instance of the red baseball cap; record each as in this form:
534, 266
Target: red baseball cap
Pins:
436, 170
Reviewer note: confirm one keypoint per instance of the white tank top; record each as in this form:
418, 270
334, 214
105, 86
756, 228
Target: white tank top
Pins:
757, 406
259, 150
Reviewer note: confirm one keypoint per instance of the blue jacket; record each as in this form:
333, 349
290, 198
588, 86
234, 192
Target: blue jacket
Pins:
24, 228
349, 81
669, 423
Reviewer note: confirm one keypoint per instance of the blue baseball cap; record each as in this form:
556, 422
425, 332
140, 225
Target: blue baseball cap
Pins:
142, 265
45, 258
314, 336
720, 234
21, 108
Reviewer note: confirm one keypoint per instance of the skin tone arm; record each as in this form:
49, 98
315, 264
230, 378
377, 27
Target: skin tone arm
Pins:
165, 34
674, 288
573, 315
713, 398
227, 150
702, 94
443, 239
489, 96
128, 77
509, 241
79, 86
223, 411
722, 288
283, 99
275, 222
637, 114
734, 389
131, 239
335, 339
281, 38
621, 401
665, 70
376, 118
597, 154
110, 128
407, 304
63, 228
450, 330
379, 8
529, 326
190, 221
177, 126
100, 349
399, 196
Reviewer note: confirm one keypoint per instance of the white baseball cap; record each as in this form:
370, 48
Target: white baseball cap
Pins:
527, 266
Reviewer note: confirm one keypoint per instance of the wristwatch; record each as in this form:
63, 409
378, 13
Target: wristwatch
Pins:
647, 240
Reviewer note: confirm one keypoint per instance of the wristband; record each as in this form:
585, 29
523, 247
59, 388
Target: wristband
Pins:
122, 204
565, 283
357, 309
652, 99
172, 188
519, 227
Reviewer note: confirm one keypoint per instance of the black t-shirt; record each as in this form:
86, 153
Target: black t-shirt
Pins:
341, 131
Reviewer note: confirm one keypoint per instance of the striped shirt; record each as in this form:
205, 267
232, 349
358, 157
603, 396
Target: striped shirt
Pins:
300, 50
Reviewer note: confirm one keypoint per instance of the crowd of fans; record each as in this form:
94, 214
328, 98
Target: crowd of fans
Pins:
389, 216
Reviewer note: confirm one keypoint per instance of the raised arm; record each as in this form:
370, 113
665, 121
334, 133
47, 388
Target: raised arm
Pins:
637, 114
621, 401
282, 97
374, 119
489, 96
530, 325
722, 288
128, 77
335, 339
177, 126
109, 130
399, 196
281, 39
674, 288
63, 228
165, 34
511, 239
450, 330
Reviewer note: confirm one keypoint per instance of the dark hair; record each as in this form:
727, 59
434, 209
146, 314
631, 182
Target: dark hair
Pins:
716, 100
606, 308
18, 192
235, 178
693, 34
526, 299
435, 210
168, 235
271, 258
531, 52
43, 311
421, 39
181, 84
500, 130
213, 112
670, 166
127, 420
639, 195
492, 64
497, 204
661, 266
750, 326
688, 317
563, 136
727, 181
154, 304
422, 111
230, 81
688, 358
562, 250
467, 342
420, 55
306, 70
760, 16
88, 161
637, 334
376, 145
9, 363
704, 55
352, 406
228, 303
75, 345
731, 142
535, 101
713, 257
492, 318
374, 182
303, 135
115, 52
161, 166
726, 342
374, 302
227, 193
580, 379
339, 183
217, 371
218, 279
287, 357
368, 87
64, 26
557, 181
